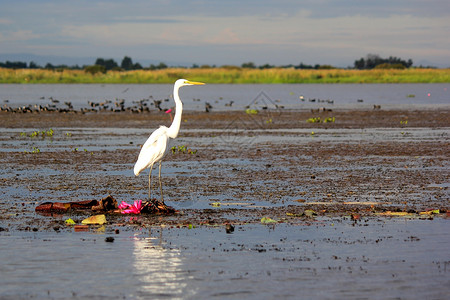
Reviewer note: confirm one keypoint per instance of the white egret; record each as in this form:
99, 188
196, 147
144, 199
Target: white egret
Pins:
157, 144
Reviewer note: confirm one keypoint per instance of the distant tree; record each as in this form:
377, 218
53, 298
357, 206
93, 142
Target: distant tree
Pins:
390, 66
162, 66
303, 66
127, 63
158, 67
230, 67
248, 65
373, 60
290, 66
266, 66
14, 65
108, 63
137, 66
95, 69
325, 67
410, 63
100, 62
360, 64
33, 65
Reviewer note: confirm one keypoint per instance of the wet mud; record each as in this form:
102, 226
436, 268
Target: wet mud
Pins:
297, 204
229, 167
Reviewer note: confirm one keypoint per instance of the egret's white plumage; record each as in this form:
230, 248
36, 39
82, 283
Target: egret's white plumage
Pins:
157, 144
154, 149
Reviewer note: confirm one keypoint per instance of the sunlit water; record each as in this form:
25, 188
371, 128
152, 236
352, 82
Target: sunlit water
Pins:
220, 96
325, 259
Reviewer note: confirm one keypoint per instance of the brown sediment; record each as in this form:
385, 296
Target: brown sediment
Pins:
334, 178
223, 120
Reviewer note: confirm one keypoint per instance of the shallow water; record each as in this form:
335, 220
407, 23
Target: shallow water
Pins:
253, 173
325, 259
128, 138
345, 96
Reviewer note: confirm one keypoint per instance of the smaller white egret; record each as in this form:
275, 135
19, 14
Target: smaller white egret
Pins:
156, 146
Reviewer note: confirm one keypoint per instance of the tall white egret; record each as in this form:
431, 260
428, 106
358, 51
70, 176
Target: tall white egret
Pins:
156, 146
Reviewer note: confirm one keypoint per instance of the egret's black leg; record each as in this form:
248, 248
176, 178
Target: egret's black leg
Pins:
160, 184
150, 183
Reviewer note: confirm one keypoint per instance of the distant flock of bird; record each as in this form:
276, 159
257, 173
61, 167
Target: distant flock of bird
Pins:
139, 106
118, 105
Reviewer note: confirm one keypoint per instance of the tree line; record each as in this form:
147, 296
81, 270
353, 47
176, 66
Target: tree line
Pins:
371, 61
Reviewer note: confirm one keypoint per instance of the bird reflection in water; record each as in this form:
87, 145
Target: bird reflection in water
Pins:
159, 269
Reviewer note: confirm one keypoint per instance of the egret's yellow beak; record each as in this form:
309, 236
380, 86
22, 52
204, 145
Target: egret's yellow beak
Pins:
194, 83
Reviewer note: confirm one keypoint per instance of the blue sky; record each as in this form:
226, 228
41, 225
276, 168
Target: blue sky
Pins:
230, 32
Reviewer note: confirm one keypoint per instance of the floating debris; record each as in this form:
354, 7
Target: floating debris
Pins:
267, 220
94, 220
69, 222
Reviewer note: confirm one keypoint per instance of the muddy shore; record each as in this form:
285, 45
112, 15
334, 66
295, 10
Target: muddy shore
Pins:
240, 169
289, 119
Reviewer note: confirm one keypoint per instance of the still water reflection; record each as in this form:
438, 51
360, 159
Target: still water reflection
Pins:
324, 259
159, 271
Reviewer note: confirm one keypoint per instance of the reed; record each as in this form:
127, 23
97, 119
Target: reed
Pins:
228, 75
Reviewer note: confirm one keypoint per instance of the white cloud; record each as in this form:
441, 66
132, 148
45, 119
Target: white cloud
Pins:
5, 21
19, 35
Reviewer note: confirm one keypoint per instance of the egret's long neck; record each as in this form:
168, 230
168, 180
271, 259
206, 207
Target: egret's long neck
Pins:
175, 127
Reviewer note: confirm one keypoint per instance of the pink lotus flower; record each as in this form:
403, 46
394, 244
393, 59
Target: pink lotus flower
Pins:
131, 209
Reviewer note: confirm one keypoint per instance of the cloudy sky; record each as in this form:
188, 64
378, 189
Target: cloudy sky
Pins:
230, 31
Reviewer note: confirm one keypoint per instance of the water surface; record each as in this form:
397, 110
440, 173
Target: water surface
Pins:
325, 259
220, 96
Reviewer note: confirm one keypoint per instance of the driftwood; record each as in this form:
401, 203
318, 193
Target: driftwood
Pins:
107, 204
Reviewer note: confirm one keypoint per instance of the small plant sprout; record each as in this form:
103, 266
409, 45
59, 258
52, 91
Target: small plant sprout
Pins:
250, 111
314, 120
319, 120
49, 132
182, 149
43, 133
34, 151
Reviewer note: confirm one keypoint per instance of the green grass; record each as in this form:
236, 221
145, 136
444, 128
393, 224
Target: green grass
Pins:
228, 75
